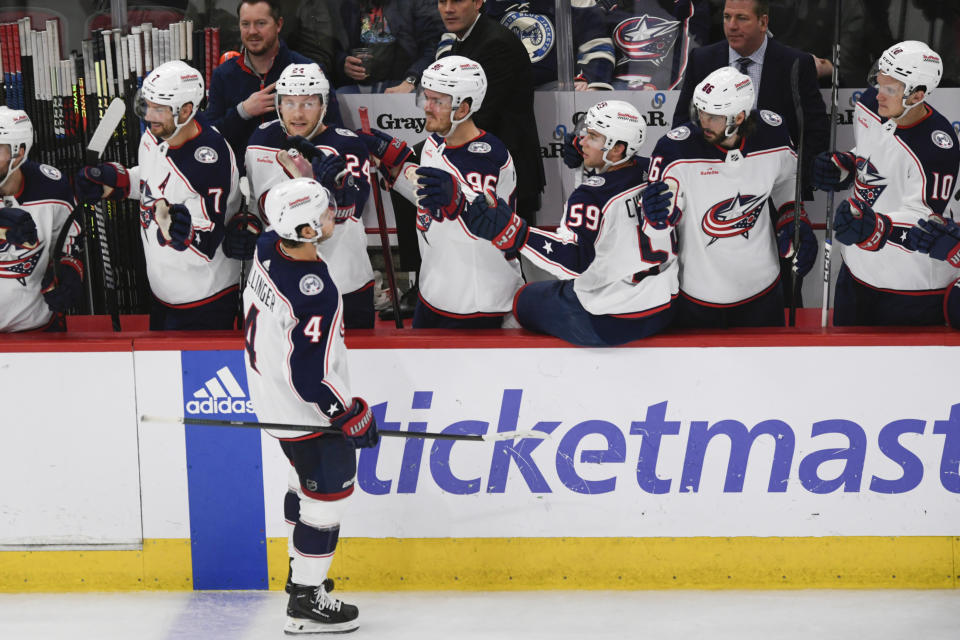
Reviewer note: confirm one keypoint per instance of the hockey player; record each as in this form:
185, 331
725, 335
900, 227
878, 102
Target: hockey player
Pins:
903, 170
464, 281
725, 164
301, 97
617, 270
297, 372
187, 184
36, 286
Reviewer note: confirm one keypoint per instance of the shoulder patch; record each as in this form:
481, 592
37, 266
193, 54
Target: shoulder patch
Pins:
594, 181
346, 133
940, 138
479, 147
54, 174
680, 133
311, 284
265, 125
205, 155
771, 118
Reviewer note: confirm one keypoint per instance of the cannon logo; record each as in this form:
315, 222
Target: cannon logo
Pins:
220, 394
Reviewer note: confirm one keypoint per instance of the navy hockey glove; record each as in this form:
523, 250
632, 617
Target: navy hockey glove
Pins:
181, 227
498, 224
62, 286
391, 152
834, 171
240, 236
936, 236
306, 148
17, 227
358, 425
91, 180
572, 152
857, 223
808, 241
440, 193
657, 204
326, 169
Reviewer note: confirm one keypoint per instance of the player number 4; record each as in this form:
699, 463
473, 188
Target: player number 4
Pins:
314, 330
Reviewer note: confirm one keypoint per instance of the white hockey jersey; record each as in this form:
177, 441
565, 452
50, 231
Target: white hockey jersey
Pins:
48, 198
728, 253
346, 251
295, 355
908, 174
201, 174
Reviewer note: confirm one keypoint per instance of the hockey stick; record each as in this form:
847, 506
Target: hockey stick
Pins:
828, 231
280, 426
382, 224
244, 208
798, 194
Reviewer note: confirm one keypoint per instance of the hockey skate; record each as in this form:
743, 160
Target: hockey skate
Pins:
312, 610
327, 584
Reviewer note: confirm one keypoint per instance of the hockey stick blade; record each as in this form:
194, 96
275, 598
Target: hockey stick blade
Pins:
108, 124
279, 426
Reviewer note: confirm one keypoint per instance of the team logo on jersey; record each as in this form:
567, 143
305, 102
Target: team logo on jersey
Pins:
941, 139
646, 38
869, 184
51, 172
733, 217
346, 133
594, 181
423, 220
19, 266
534, 30
311, 284
205, 155
771, 118
680, 133
479, 147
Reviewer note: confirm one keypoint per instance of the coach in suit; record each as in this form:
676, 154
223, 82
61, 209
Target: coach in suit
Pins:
768, 63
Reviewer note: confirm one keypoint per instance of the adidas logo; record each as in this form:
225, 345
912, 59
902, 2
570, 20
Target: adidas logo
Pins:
220, 394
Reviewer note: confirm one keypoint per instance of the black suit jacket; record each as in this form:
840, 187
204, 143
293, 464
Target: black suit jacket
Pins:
775, 95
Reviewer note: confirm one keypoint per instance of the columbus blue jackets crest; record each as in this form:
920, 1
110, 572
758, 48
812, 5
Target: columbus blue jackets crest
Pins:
535, 31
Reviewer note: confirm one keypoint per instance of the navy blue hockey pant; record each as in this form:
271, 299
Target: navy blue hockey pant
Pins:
856, 303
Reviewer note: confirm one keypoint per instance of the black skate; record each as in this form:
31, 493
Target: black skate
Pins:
313, 610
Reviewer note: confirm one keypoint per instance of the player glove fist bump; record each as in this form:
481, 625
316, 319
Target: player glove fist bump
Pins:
808, 241
834, 171
497, 223
62, 286
91, 181
657, 204
240, 236
857, 223
936, 236
358, 424
18, 227
439, 193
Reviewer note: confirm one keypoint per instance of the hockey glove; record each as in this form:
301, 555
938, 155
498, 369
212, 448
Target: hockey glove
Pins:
17, 227
240, 236
391, 152
358, 425
440, 193
834, 171
181, 227
62, 286
498, 224
936, 236
572, 152
91, 180
327, 168
808, 241
857, 223
657, 204
306, 148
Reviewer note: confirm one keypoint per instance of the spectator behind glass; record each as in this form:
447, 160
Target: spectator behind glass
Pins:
400, 38
534, 22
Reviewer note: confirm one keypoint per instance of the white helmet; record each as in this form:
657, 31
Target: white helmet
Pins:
914, 64
16, 131
725, 92
460, 78
174, 84
303, 80
298, 202
619, 121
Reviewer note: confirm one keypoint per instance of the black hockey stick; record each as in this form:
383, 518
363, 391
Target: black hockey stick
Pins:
798, 194
280, 426
828, 231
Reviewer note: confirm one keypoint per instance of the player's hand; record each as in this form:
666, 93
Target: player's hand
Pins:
108, 180
834, 171
658, 205
306, 148
439, 193
857, 223
572, 152
62, 286
17, 227
358, 424
327, 168
240, 236
181, 227
808, 242
391, 152
260, 102
936, 236
497, 223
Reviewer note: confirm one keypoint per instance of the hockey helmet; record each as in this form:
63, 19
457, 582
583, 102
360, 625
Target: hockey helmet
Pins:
16, 130
458, 77
303, 80
914, 64
298, 202
619, 121
725, 92
172, 84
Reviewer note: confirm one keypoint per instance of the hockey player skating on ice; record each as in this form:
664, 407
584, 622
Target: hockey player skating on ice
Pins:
301, 97
465, 283
186, 181
617, 269
903, 169
726, 163
35, 289
297, 372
